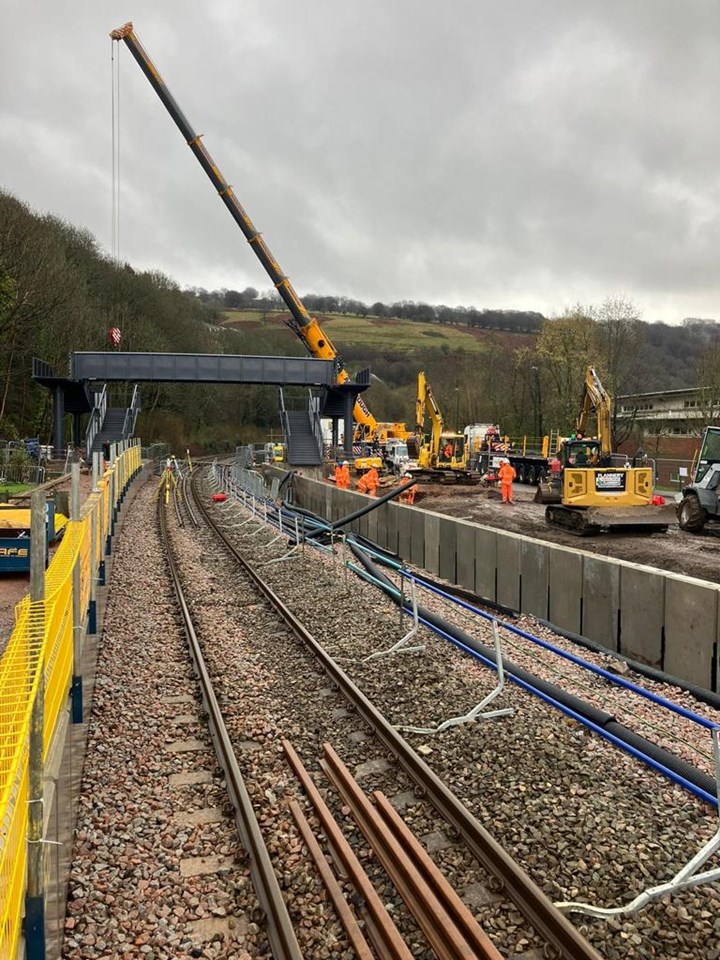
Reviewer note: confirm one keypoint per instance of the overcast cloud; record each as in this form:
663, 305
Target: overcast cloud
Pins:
520, 154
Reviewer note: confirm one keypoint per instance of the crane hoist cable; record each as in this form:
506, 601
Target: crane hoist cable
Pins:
115, 176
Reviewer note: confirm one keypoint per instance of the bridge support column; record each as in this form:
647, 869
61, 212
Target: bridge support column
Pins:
59, 416
349, 400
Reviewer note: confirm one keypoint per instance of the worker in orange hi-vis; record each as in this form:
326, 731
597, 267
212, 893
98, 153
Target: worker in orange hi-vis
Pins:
342, 475
507, 475
368, 482
407, 496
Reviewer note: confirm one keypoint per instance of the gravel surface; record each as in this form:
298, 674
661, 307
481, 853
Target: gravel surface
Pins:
271, 688
584, 819
138, 830
675, 733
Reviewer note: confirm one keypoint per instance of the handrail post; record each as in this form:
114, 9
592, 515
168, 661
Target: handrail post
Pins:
35, 889
76, 688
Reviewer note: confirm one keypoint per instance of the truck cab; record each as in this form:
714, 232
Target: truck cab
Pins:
700, 504
396, 456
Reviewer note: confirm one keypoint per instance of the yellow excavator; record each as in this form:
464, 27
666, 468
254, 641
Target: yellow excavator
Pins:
443, 455
589, 494
305, 326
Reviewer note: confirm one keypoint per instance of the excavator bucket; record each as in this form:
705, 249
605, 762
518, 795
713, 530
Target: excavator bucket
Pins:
548, 491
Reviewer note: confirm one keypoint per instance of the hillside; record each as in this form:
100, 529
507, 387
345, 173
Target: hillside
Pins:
60, 292
383, 333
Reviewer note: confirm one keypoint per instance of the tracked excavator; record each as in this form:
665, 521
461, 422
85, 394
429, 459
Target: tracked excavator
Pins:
300, 321
443, 456
589, 494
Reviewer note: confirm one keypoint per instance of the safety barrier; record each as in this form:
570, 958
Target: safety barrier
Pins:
41, 644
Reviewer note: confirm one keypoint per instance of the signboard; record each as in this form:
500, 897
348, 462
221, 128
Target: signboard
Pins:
612, 481
114, 336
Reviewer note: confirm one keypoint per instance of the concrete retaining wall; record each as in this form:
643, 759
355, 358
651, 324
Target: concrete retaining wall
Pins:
662, 619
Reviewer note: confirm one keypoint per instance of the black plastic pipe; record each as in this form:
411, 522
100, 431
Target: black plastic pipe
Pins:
652, 673
591, 713
373, 505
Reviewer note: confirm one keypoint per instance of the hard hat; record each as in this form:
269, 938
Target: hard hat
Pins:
346, 463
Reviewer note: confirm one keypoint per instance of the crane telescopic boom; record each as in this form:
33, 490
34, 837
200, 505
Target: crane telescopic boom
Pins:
304, 325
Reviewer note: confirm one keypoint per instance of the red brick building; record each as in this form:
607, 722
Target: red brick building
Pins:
667, 423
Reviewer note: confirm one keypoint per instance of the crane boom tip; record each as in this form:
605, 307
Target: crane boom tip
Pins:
122, 32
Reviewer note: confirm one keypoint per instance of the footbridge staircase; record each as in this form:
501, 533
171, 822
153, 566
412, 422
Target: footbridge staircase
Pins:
111, 420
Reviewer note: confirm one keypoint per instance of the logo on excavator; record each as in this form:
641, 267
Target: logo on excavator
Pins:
609, 482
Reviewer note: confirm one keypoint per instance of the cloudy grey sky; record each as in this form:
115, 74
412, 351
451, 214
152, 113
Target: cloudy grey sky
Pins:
528, 153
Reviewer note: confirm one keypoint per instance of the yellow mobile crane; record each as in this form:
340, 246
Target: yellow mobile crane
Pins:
444, 455
304, 325
590, 494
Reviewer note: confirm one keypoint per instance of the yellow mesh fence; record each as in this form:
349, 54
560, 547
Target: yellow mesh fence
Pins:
43, 634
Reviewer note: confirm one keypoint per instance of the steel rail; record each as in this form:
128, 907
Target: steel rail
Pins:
279, 928
532, 903
449, 927
176, 504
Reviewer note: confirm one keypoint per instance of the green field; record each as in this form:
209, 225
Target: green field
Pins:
13, 489
349, 330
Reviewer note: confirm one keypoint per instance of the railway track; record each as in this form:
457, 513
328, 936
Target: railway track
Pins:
384, 758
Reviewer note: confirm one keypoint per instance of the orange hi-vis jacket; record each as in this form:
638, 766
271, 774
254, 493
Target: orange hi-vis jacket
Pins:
342, 476
507, 473
368, 483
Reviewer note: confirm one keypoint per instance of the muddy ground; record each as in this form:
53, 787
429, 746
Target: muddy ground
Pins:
690, 554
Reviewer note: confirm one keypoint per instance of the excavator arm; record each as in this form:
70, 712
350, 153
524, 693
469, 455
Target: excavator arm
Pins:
596, 398
426, 402
304, 325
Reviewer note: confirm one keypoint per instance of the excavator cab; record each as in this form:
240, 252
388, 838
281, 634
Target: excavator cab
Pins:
452, 451
582, 453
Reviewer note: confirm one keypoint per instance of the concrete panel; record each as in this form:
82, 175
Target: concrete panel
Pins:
565, 581
690, 629
485, 562
601, 600
404, 522
417, 544
642, 614
357, 503
534, 578
337, 498
382, 524
432, 543
372, 524
363, 526
448, 548
327, 511
350, 503
393, 519
465, 572
302, 488
508, 570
